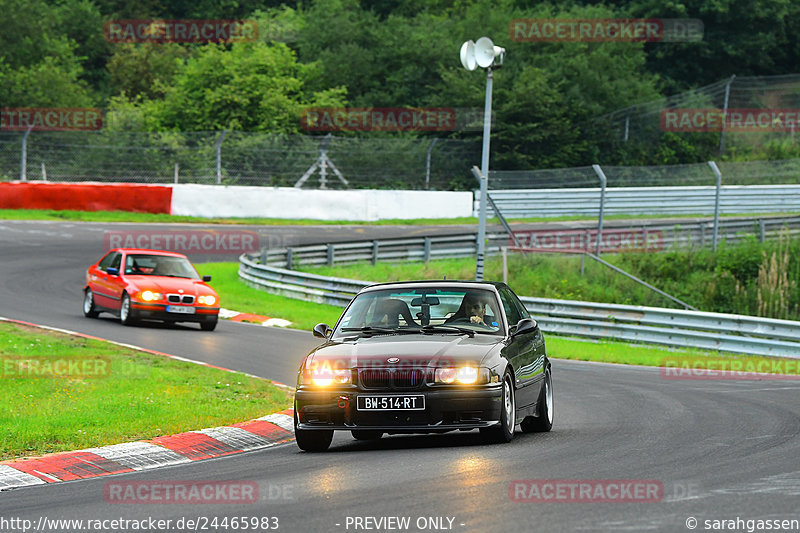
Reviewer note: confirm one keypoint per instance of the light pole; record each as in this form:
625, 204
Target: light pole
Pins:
484, 54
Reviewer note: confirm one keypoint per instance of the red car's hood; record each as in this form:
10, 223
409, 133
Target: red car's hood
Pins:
410, 350
166, 284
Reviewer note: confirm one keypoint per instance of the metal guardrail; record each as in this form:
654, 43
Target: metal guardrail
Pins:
656, 201
661, 236
669, 327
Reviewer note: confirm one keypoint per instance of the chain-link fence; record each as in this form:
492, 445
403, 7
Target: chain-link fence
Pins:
783, 172
643, 124
239, 158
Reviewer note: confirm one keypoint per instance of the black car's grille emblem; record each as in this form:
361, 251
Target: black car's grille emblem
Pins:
391, 379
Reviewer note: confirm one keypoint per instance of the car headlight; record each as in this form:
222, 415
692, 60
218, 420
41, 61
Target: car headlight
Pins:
150, 296
323, 376
465, 375
207, 300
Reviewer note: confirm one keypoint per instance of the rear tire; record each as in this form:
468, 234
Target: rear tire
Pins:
365, 434
311, 440
89, 309
543, 422
209, 325
505, 431
125, 311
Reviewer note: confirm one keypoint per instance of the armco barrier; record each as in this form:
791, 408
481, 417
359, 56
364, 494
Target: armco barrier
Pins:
658, 235
669, 327
86, 196
655, 201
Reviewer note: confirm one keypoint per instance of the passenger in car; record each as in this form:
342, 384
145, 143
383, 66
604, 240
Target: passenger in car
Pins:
389, 311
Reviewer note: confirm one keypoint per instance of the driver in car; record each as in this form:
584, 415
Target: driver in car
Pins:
473, 307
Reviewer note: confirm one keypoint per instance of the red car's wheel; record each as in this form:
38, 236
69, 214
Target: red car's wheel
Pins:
89, 310
125, 312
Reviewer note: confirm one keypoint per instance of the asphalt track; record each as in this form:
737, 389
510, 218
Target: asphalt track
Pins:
720, 449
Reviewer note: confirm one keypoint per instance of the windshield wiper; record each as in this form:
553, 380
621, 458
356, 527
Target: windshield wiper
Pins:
452, 329
372, 330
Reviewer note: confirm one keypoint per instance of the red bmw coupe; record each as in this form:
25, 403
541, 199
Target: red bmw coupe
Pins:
137, 284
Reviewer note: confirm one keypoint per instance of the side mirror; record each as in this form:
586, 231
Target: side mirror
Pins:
111, 271
321, 330
526, 325
206, 278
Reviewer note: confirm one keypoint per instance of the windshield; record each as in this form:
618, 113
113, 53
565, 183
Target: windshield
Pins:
159, 265
446, 310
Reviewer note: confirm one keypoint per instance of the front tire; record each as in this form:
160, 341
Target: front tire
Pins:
311, 440
89, 309
543, 422
508, 416
125, 311
209, 325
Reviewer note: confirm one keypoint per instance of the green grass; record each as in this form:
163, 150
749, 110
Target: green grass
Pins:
236, 295
127, 394
124, 216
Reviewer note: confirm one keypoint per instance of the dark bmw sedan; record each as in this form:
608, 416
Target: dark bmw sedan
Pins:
426, 357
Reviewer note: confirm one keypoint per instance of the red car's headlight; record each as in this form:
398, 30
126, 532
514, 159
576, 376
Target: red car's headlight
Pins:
150, 296
207, 299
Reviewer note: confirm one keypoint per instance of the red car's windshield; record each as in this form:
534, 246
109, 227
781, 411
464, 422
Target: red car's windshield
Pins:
159, 265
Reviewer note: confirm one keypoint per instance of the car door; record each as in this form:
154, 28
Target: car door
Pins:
105, 286
523, 350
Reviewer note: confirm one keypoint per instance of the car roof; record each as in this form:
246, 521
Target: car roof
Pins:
147, 251
462, 284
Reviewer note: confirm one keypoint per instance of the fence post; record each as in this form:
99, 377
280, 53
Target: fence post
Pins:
219, 156
23, 166
603, 181
330, 255
718, 174
725, 114
176, 172
505, 264
762, 230
428, 164
289, 259
44, 172
374, 252
426, 254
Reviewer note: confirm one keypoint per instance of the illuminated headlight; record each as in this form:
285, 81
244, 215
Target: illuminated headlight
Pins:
150, 296
465, 375
207, 300
325, 375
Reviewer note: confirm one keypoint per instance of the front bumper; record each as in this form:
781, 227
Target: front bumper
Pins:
445, 410
150, 311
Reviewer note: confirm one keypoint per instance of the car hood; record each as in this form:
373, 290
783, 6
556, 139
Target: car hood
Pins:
166, 284
423, 350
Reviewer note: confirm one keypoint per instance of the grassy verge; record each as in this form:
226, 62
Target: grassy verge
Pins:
124, 216
111, 394
236, 295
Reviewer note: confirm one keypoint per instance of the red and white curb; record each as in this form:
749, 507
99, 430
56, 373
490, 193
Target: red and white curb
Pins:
236, 316
182, 448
